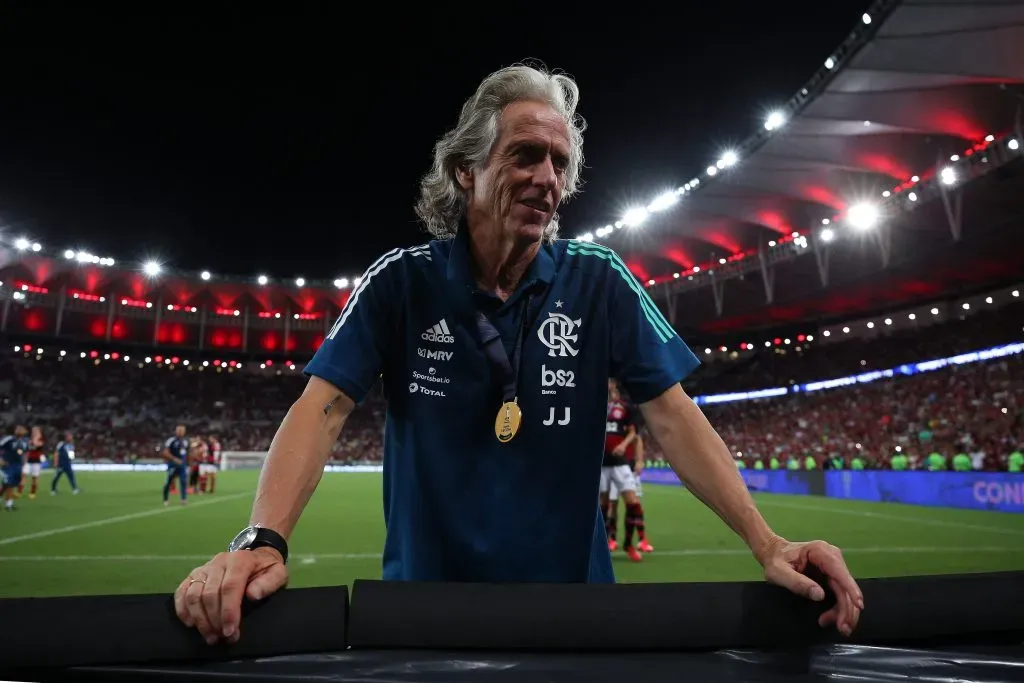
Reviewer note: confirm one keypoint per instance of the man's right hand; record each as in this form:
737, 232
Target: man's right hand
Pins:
210, 597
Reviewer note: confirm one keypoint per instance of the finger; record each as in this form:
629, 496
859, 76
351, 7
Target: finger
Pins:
273, 577
849, 615
783, 575
828, 618
239, 568
211, 596
829, 559
196, 610
844, 608
180, 608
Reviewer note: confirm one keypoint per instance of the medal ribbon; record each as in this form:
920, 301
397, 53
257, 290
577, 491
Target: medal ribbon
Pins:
505, 368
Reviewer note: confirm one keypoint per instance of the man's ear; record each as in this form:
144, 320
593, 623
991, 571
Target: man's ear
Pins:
465, 177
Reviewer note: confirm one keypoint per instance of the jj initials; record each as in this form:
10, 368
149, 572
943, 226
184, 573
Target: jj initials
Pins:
551, 418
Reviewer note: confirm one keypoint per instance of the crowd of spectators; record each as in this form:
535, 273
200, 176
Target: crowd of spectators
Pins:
123, 411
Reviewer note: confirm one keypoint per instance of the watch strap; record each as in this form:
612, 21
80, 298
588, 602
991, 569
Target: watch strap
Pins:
268, 538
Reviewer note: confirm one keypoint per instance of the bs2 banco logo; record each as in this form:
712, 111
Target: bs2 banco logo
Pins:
557, 378
558, 333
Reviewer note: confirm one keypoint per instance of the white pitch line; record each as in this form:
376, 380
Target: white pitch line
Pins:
692, 552
761, 502
121, 518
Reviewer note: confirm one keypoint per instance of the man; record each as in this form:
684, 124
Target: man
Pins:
635, 459
211, 465
176, 454
12, 453
494, 343
33, 463
620, 433
63, 458
197, 449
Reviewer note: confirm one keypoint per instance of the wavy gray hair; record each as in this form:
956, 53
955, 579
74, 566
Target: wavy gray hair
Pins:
442, 201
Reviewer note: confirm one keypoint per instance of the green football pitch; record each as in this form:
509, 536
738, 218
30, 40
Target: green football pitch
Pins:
116, 537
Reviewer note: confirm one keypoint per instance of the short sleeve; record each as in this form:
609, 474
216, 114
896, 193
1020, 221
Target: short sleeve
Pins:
647, 355
352, 355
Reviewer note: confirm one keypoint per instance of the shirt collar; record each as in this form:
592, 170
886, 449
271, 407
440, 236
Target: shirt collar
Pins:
460, 271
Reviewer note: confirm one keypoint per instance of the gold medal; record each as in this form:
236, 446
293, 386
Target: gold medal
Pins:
506, 425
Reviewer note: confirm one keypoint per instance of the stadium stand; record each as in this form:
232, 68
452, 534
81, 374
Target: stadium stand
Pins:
122, 410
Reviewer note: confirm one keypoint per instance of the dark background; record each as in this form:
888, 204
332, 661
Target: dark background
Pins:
212, 135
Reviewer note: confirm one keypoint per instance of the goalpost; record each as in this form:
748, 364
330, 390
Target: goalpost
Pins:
253, 460
242, 460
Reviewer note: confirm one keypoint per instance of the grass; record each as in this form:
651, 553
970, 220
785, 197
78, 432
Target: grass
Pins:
116, 537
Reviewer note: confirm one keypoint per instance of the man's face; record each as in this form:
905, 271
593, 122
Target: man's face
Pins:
20, 431
180, 431
613, 391
520, 186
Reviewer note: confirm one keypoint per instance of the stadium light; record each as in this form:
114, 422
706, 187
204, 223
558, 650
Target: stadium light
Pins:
36, 246
948, 175
775, 120
341, 282
151, 268
635, 217
827, 235
729, 158
21, 244
300, 282
262, 279
587, 237
866, 18
863, 216
205, 275
1013, 144
69, 254
663, 201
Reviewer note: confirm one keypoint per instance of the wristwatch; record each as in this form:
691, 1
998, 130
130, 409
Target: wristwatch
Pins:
252, 537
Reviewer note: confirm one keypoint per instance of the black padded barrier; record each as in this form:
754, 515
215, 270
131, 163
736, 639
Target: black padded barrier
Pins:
426, 632
116, 629
680, 616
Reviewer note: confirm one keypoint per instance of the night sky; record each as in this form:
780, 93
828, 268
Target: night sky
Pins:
291, 142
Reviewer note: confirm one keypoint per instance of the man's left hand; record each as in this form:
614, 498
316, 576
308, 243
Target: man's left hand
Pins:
784, 565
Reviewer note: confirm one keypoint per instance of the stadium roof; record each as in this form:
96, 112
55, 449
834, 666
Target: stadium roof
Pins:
917, 87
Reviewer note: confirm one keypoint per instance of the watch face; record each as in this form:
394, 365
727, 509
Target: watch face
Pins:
244, 538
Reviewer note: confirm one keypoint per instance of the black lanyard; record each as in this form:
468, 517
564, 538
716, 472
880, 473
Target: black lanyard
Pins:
507, 369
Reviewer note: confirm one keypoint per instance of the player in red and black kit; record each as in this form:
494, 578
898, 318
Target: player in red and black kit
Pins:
620, 432
210, 464
195, 459
33, 462
635, 458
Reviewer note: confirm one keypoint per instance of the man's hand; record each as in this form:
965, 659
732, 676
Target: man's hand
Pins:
210, 597
784, 565
620, 449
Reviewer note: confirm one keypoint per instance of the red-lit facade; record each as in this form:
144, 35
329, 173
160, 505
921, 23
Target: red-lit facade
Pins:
48, 297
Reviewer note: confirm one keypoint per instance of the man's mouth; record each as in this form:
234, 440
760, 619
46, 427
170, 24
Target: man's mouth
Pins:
538, 204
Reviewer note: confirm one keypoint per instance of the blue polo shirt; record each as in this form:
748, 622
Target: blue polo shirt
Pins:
458, 504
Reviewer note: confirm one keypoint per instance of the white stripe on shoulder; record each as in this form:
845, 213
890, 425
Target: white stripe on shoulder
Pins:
378, 266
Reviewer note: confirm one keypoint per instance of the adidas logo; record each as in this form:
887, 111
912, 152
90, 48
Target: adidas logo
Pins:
439, 332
